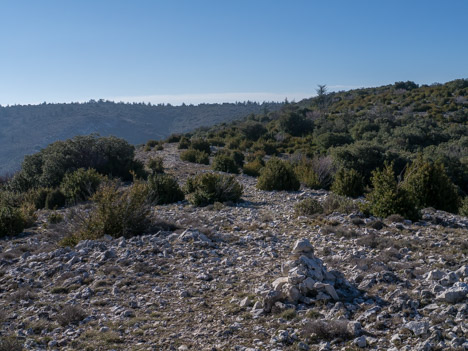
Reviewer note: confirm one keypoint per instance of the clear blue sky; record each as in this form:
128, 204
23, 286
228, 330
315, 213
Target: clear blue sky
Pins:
206, 50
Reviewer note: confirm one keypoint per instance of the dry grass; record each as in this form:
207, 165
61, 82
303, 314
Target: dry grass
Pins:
322, 329
71, 315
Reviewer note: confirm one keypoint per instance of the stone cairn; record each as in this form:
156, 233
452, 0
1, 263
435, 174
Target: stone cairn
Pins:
306, 280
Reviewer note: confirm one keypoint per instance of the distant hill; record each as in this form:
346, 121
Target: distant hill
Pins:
25, 129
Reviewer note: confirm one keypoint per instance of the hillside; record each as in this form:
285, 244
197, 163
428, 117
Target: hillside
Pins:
204, 278
362, 129
27, 129
335, 223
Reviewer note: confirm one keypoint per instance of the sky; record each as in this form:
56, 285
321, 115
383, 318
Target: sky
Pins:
196, 51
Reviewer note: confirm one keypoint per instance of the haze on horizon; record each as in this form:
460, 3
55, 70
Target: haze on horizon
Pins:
212, 51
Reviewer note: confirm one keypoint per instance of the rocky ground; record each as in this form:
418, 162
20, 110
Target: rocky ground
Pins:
250, 276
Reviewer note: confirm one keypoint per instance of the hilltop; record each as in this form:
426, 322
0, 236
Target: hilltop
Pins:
335, 223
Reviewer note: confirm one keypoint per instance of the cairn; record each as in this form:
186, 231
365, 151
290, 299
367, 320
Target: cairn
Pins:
306, 280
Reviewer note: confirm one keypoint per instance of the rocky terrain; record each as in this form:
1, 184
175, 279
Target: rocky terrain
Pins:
247, 276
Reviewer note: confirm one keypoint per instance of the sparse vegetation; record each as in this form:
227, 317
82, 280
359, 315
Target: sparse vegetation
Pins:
80, 185
164, 189
225, 163
156, 165
277, 175
195, 156
209, 188
388, 197
70, 315
10, 343
348, 182
308, 207
118, 212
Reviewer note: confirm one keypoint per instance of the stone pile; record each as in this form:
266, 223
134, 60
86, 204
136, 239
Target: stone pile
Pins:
306, 280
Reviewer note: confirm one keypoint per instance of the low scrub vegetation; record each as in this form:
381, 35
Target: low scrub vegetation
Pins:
118, 212
278, 175
164, 189
107, 155
308, 207
254, 167
195, 156
348, 182
209, 188
80, 185
225, 163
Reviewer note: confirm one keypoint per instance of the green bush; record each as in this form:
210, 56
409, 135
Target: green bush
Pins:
55, 218
118, 212
107, 155
12, 220
80, 185
361, 156
201, 145
388, 197
208, 188
164, 189
37, 197
173, 138
338, 203
184, 143
55, 199
306, 174
10, 343
156, 165
308, 207
348, 182
195, 156
430, 186
225, 163
463, 210
254, 167
278, 175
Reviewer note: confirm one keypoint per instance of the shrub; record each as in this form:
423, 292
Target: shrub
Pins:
173, 138
253, 130
337, 203
306, 174
308, 207
201, 145
81, 184
10, 343
430, 186
71, 315
254, 167
388, 197
361, 156
12, 220
278, 175
163, 189
327, 329
209, 188
55, 218
55, 199
107, 155
348, 182
225, 163
37, 197
156, 165
150, 144
463, 210
184, 143
295, 124
195, 156
118, 212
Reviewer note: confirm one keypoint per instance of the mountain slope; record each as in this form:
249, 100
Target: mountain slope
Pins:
27, 129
